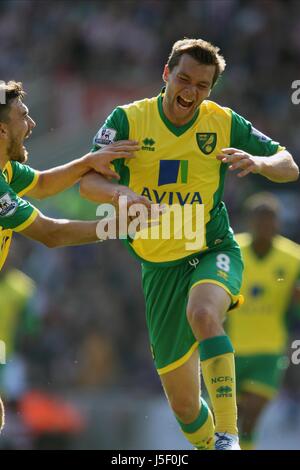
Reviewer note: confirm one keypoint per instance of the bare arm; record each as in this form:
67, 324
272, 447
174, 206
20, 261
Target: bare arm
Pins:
97, 188
280, 168
56, 233
58, 179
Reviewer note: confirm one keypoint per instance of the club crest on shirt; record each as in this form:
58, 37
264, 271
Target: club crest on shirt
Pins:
105, 136
206, 141
7, 205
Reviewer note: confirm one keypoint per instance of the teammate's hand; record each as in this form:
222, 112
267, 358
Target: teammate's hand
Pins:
132, 198
240, 160
100, 160
149, 217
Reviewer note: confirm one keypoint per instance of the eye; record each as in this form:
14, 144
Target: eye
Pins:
183, 79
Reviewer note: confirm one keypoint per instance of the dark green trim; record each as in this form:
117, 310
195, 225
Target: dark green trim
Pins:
198, 423
245, 137
218, 196
22, 176
117, 120
216, 346
184, 166
178, 131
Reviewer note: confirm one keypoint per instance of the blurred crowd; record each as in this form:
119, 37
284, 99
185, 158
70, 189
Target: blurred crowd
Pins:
83, 326
126, 42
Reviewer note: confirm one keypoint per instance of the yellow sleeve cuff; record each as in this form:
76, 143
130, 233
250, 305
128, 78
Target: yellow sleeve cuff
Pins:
27, 222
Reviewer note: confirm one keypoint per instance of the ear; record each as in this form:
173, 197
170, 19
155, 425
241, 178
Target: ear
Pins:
3, 130
166, 73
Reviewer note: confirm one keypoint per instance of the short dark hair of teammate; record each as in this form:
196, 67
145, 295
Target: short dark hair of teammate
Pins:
263, 212
202, 51
8, 92
262, 202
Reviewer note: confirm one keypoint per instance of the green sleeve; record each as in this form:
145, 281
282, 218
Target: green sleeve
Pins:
245, 137
23, 177
116, 127
14, 211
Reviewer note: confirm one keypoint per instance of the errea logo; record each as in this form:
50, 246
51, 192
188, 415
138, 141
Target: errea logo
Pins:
148, 144
224, 391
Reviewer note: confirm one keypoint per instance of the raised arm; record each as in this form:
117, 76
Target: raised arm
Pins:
58, 179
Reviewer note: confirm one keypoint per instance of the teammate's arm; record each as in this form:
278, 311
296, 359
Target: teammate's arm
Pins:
19, 215
58, 179
55, 233
97, 188
94, 186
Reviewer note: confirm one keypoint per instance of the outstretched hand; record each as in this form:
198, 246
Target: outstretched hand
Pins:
132, 204
100, 161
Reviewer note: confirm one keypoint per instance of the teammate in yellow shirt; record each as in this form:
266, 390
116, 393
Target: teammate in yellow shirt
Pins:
18, 179
259, 328
187, 144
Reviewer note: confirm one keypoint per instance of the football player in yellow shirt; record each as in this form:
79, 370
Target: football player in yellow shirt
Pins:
259, 328
18, 179
187, 144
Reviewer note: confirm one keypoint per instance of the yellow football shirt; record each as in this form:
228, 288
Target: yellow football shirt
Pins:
15, 290
178, 166
259, 326
15, 213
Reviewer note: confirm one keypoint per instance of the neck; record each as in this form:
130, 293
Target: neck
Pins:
261, 247
3, 158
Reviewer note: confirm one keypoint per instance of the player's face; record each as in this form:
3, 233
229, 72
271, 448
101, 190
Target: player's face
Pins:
187, 85
265, 226
20, 126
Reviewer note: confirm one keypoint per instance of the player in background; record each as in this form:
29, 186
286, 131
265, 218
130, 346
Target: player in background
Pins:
259, 328
18, 179
187, 145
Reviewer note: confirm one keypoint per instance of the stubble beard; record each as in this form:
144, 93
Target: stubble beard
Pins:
17, 152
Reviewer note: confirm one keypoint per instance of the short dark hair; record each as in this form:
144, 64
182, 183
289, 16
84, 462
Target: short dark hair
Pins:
9, 91
262, 203
202, 51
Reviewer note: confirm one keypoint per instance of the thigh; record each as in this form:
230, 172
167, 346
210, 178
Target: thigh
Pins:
222, 267
210, 297
166, 292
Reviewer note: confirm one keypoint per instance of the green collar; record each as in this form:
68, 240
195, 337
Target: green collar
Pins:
178, 131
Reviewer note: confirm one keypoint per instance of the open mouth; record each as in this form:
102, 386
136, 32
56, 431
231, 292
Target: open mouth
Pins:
183, 103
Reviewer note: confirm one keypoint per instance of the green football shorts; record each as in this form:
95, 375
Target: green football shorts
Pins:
260, 374
166, 291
